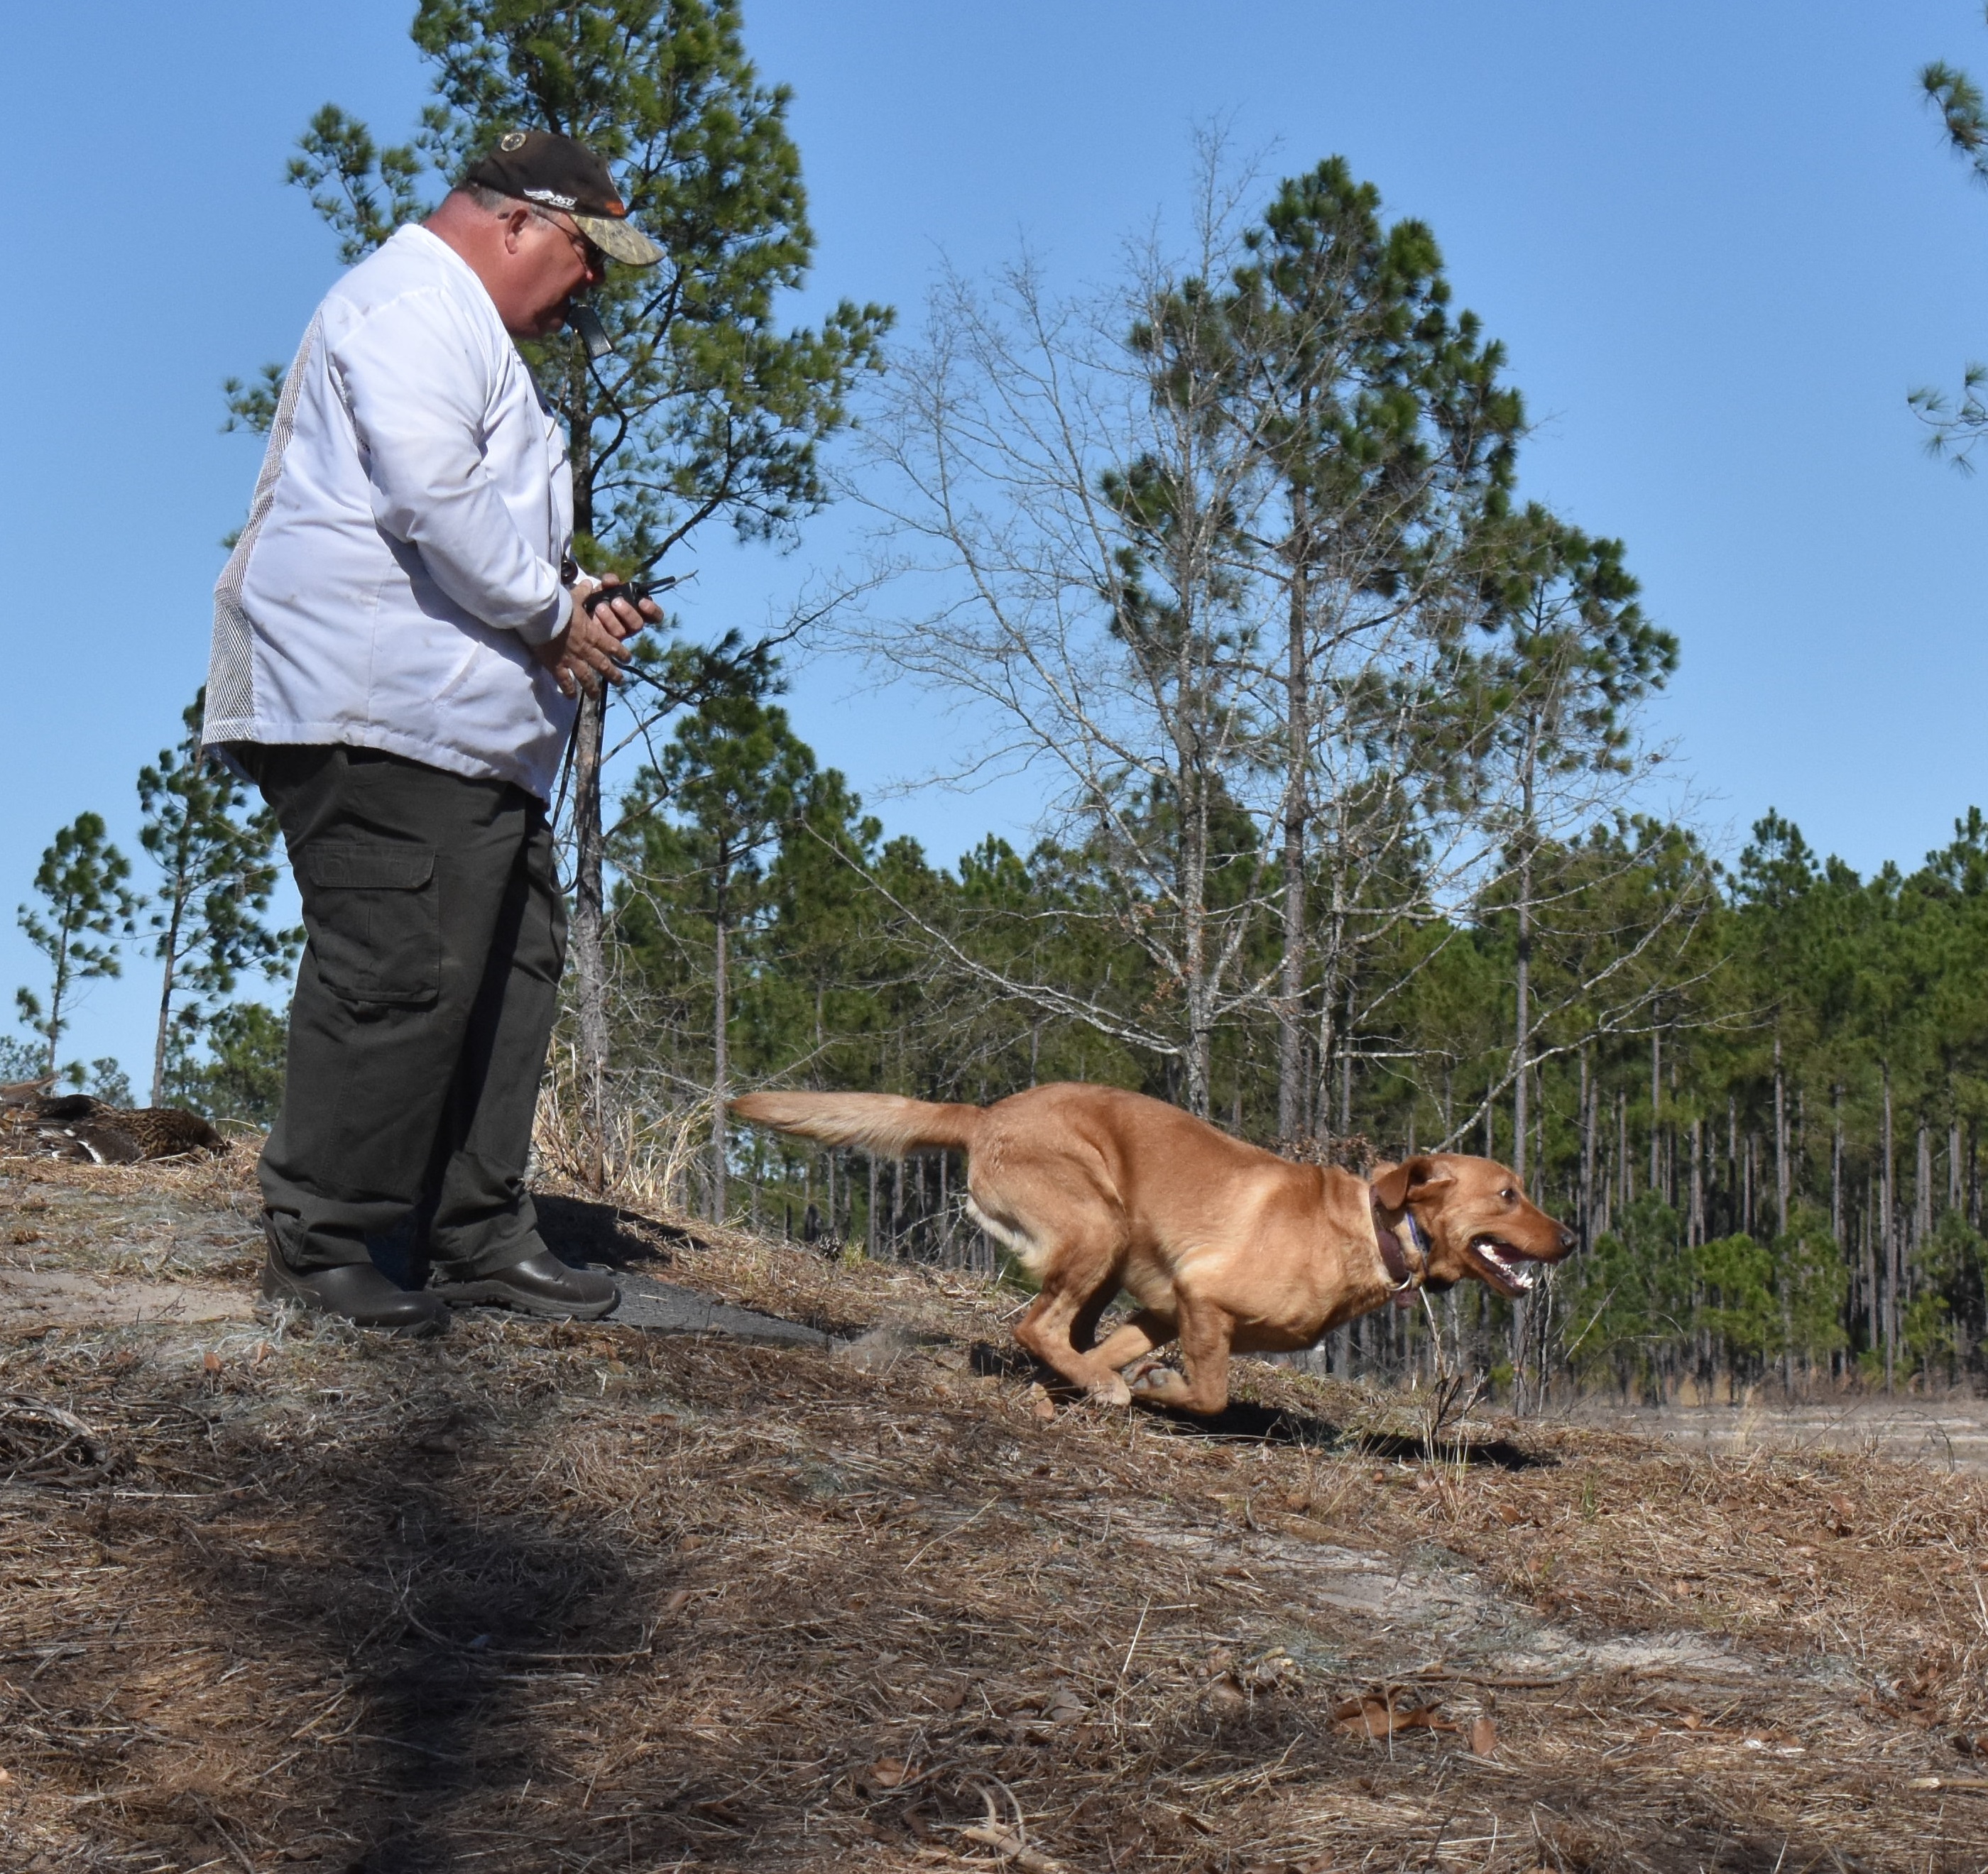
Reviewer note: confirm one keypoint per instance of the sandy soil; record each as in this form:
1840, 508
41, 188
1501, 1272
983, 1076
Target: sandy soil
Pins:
1950, 1433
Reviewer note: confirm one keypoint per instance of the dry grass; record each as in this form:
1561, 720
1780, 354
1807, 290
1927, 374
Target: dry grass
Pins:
550, 1597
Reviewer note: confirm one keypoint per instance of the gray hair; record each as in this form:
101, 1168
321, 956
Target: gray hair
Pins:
495, 201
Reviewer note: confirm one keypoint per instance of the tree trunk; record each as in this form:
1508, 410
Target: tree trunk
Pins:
1628, 1191
1297, 765
1656, 1104
1781, 1144
588, 936
1973, 1174
1200, 985
1888, 1222
1199, 972
1733, 1158
721, 1065
58, 990
1836, 1164
1521, 1050
1586, 1206
1191, 884
170, 957
1523, 983
1874, 1331
1922, 1188
1695, 1223
1328, 1022
1346, 1067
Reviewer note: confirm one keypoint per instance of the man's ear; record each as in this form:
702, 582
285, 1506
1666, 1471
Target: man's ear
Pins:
1409, 1179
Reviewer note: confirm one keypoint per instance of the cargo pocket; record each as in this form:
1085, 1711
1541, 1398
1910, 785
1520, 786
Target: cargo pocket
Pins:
375, 926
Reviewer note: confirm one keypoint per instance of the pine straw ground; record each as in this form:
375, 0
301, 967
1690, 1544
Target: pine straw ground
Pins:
547, 1597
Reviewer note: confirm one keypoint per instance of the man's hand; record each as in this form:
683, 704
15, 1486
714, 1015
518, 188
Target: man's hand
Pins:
593, 646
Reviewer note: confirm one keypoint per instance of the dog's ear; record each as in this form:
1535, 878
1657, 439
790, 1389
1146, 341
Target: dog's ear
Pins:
1407, 1180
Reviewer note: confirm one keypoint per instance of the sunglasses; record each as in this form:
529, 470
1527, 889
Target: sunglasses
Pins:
591, 257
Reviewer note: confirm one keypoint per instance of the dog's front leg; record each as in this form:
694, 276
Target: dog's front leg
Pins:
1205, 1331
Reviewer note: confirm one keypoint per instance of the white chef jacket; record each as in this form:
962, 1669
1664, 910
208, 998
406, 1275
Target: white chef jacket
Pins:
402, 552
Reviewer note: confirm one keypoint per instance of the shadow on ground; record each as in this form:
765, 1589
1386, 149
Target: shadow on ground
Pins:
1242, 1421
580, 1232
433, 1613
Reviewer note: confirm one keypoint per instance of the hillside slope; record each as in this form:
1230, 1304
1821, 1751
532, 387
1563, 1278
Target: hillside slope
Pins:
536, 1597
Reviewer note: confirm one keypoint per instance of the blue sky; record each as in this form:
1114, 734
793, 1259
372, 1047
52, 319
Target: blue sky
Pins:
1720, 242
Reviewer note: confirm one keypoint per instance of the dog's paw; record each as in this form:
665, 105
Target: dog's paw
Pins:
1112, 1392
1154, 1378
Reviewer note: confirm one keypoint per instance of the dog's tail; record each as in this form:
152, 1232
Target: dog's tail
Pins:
882, 1123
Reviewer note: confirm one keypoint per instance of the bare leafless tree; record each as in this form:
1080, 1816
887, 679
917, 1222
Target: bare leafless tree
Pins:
1067, 503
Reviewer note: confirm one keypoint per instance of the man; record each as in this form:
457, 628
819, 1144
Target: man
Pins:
399, 639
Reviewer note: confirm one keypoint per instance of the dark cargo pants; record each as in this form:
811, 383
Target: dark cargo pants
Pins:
423, 1004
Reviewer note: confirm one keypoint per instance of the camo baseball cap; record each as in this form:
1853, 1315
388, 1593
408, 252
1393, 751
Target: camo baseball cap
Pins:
552, 171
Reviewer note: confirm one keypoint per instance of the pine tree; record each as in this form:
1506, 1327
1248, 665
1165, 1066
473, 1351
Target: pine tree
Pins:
732, 775
708, 412
1576, 656
217, 873
1955, 430
86, 909
1386, 426
242, 1078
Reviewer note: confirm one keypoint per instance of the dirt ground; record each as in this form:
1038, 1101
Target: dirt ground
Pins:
548, 1597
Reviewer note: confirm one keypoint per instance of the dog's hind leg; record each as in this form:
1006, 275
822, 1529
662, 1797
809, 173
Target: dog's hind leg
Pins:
1205, 1336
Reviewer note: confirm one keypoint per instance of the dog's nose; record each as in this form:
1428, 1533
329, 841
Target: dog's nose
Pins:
1566, 1239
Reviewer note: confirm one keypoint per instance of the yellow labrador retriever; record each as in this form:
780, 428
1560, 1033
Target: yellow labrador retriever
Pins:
1225, 1247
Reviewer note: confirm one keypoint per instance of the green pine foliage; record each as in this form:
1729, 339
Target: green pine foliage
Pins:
1955, 427
1630, 1298
217, 872
84, 911
239, 1077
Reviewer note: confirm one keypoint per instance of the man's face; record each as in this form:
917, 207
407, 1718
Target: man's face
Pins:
546, 262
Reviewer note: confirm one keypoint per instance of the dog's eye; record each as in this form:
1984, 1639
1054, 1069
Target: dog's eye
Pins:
1509, 1195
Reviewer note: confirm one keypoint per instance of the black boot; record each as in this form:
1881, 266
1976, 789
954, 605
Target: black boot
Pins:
357, 1292
541, 1285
